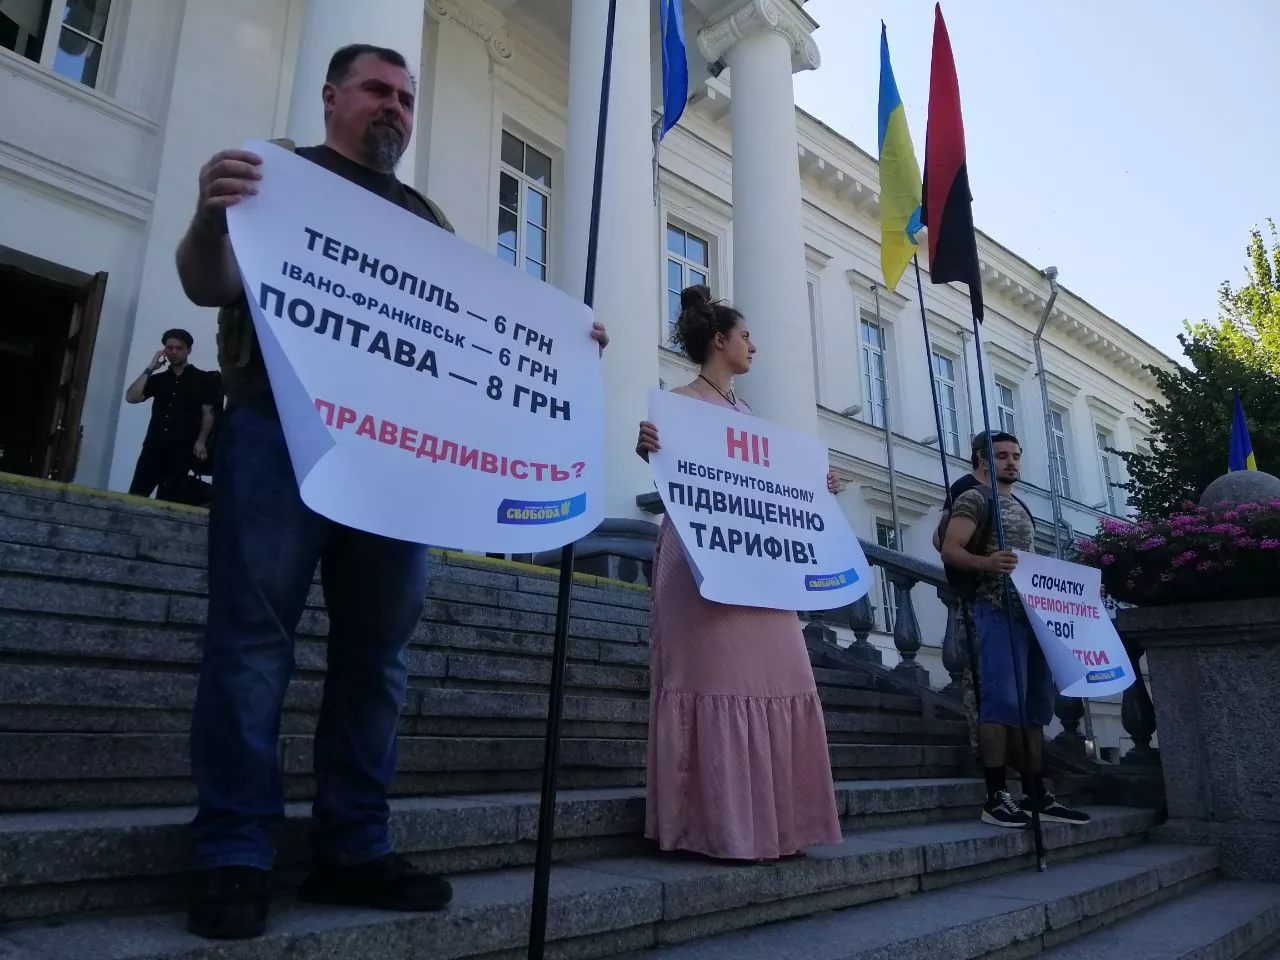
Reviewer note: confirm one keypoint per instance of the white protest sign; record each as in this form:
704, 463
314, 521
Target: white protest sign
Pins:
1064, 604
428, 391
749, 501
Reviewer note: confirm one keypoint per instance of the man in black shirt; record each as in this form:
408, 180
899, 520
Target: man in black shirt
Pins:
264, 544
182, 413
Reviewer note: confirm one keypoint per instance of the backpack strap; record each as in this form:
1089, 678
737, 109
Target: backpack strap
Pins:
1030, 516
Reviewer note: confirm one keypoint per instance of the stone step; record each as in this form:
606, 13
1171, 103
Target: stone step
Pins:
1010, 916
478, 592
48, 770
441, 654
91, 509
55, 639
93, 700
67, 676
55, 770
30, 760
137, 592
609, 906
72, 646
64, 862
1223, 920
36, 595
43, 698
67, 538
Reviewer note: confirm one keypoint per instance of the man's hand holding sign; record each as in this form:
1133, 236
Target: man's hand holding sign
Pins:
428, 391
752, 502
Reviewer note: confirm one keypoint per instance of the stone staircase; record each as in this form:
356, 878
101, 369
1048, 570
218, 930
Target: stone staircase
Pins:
101, 604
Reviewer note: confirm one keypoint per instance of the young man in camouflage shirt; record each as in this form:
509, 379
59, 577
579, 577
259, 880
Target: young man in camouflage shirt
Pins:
1005, 636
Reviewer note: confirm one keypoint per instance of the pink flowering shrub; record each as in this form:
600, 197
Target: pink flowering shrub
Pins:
1196, 555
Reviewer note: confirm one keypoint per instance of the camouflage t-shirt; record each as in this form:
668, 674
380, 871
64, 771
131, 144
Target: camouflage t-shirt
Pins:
1019, 534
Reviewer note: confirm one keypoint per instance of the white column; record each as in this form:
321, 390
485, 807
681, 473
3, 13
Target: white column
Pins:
461, 49
230, 59
331, 24
627, 285
763, 42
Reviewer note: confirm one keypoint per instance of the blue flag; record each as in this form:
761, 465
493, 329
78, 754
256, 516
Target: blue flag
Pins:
1241, 456
675, 64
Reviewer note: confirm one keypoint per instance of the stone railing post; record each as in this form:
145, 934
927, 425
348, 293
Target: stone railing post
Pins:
862, 621
1138, 715
906, 628
955, 654
817, 629
1070, 711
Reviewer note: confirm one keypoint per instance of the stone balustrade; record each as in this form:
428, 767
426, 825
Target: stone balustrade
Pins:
903, 573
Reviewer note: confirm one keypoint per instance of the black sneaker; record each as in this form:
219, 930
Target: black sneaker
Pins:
1053, 811
229, 903
387, 883
1001, 810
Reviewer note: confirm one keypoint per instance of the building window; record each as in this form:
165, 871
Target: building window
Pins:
688, 265
66, 36
524, 206
887, 538
1059, 452
944, 378
1108, 469
873, 351
1004, 406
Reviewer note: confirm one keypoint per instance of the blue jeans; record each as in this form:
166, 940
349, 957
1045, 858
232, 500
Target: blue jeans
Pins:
264, 544
997, 682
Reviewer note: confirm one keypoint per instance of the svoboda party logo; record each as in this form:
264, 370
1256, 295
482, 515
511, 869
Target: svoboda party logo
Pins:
523, 512
830, 581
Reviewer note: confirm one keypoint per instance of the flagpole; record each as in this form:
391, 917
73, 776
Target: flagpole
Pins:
953, 255
1019, 684
888, 437
1034, 790
966, 619
933, 385
657, 146
560, 649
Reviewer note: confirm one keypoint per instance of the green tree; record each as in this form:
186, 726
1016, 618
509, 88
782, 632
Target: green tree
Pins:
1191, 422
1248, 326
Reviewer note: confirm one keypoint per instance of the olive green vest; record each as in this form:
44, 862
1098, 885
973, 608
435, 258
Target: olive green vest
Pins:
237, 342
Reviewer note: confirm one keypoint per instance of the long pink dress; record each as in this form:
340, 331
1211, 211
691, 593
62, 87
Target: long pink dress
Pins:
737, 763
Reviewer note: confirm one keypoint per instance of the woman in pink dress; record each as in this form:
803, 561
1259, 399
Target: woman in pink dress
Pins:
738, 767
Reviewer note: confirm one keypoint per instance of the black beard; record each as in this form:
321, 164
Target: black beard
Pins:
383, 147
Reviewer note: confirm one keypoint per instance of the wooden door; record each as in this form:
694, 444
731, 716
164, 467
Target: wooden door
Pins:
63, 449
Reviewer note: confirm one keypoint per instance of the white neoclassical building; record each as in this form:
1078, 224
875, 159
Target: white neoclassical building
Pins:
109, 107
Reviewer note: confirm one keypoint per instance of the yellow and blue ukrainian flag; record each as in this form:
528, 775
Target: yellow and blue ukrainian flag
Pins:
899, 177
1241, 457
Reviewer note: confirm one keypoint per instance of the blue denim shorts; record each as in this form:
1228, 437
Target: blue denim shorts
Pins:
998, 646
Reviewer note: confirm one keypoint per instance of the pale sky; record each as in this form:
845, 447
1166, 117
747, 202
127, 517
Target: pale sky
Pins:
1130, 143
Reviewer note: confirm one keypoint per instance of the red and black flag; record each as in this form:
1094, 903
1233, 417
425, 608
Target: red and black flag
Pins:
948, 203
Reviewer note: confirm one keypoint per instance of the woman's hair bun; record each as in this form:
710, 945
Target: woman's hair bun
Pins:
695, 296
701, 318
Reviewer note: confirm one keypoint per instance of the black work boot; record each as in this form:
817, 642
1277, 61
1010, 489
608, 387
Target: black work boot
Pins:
229, 903
390, 882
